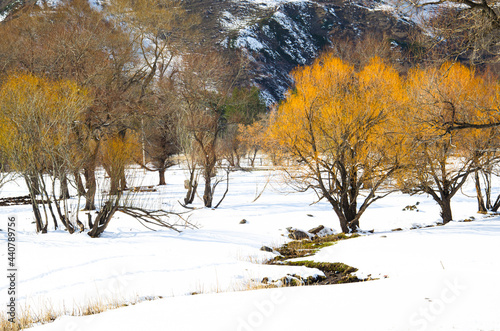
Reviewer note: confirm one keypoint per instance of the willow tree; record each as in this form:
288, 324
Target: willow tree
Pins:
442, 159
38, 116
336, 123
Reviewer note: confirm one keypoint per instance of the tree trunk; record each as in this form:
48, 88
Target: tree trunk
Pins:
349, 222
62, 216
90, 180
79, 184
38, 219
208, 194
34, 205
161, 172
45, 195
445, 205
252, 159
64, 194
117, 180
238, 160
353, 225
191, 186
348, 217
34, 184
487, 189
113, 186
343, 223
123, 179
89, 217
496, 205
479, 194
103, 218
91, 185
337, 207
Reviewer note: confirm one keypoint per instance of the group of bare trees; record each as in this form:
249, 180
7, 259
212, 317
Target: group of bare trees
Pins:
129, 83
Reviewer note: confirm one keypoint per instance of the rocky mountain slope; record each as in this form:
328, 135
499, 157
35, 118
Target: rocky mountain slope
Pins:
278, 35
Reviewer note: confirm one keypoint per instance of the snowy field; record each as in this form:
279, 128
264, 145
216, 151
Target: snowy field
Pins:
437, 278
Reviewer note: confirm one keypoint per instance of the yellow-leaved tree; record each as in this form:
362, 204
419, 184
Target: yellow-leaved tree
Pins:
337, 123
38, 116
252, 139
118, 151
442, 159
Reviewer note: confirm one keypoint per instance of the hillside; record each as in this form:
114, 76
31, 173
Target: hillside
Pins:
278, 35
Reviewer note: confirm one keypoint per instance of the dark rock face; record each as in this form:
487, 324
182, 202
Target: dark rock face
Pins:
7, 6
294, 33
292, 36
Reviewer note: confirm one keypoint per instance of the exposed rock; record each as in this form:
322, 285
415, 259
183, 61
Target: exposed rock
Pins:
243, 221
266, 249
291, 280
397, 229
298, 235
322, 231
316, 229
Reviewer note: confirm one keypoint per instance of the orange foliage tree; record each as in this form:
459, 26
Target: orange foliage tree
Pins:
442, 159
119, 150
251, 137
336, 123
37, 117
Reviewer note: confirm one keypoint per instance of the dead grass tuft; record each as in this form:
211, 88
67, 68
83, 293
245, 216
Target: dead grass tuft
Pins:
28, 318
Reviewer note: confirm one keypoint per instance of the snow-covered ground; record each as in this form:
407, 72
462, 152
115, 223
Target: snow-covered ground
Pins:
439, 278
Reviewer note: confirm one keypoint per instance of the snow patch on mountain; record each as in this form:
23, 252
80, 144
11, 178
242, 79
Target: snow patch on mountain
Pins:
230, 22
272, 3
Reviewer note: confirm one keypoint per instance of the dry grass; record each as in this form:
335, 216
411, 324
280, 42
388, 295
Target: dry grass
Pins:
27, 317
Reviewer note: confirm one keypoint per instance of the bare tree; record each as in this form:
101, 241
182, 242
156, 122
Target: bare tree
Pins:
207, 80
160, 128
